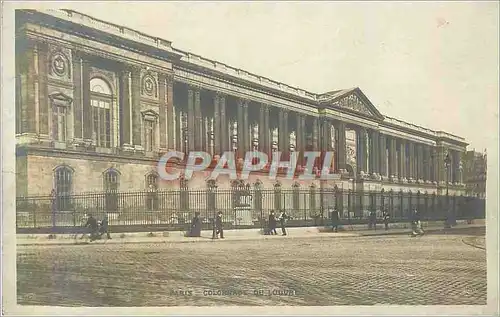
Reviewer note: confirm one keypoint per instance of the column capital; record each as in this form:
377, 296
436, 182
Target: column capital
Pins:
194, 87
166, 77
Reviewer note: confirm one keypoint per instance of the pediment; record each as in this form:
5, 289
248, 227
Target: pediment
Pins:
150, 115
351, 100
60, 99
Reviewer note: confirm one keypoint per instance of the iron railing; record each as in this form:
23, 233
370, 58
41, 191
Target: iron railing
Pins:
242, 207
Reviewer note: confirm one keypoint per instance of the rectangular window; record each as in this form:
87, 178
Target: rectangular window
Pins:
101, 123
149, 137
61, 124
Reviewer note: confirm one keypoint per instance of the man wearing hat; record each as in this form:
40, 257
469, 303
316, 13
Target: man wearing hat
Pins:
218, 226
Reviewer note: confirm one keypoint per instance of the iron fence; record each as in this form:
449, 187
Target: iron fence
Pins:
241, 208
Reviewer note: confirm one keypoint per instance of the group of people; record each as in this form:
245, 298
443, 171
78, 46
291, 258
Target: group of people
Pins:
195, 230
272, 223
218, 230
97, 228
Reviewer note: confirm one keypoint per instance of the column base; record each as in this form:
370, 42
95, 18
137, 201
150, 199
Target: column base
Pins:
403, 180
393, 179
27, 138
138, 148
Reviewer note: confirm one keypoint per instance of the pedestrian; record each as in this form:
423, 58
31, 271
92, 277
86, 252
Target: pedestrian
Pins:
104, 229
93, 227
218, 226
283, 219
373, 220
416, 224
195, 226
335, 220
272, 223
386, 217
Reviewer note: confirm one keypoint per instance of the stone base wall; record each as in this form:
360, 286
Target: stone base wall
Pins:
35, 176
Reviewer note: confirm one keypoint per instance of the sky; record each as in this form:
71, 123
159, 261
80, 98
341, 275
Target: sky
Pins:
434, 64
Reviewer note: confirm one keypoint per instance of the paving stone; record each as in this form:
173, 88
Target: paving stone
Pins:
396, 270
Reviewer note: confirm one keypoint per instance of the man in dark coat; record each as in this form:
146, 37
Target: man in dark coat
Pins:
104, 227
373, 220
93, 227
283, 219
218, 226
335, 219
195, 226
272, 223
386, 217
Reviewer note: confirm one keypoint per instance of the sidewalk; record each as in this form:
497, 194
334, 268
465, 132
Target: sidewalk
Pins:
231, 235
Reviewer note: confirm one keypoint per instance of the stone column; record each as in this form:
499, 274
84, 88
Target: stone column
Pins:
136, 107
217, 125
262, 128
240, 127
440, 165
267, 137
162, 93
299, 138
459, 168
435, 164
420, 161
383, 155
286, 136
42, 59
247, 136
427, 164
393, 167
170, 112
341, 148
411, 153
77, 101
86, 108
402, 159
374, 152
125, 108
361, 157
191, 120
198, 120
224, 143
283, 145
315, 134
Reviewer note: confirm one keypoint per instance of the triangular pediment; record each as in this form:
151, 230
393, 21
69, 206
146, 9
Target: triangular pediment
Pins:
60, 99
350, 100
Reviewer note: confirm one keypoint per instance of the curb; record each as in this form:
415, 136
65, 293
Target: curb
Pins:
346, 234
353, 235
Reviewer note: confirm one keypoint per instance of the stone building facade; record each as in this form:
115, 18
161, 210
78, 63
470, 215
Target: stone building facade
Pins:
98, 104
475, 166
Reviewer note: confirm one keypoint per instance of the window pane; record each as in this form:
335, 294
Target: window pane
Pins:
96, 122
108, 129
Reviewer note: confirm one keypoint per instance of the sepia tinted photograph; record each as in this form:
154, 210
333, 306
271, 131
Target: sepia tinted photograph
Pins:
254, 154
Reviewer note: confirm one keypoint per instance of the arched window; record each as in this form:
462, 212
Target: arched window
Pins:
152, 181
152, 194
111, 184
63, 183
111, 180
101, 101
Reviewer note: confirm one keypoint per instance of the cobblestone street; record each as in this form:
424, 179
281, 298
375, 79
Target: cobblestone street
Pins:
436, 269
